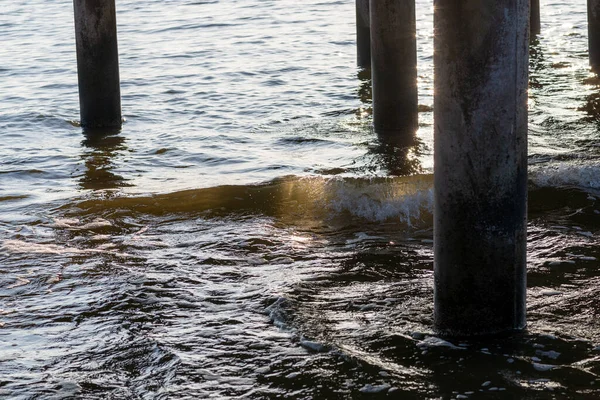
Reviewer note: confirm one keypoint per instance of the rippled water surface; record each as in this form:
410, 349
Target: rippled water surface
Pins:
246, 234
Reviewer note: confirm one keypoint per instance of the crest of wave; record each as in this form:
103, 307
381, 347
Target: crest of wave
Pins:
405, 199
583, 175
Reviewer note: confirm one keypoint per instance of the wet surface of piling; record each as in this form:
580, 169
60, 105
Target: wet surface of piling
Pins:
480, 108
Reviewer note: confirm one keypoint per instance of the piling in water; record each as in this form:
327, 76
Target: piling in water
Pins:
535, 23
480, 144
97, 63
363, 35
394, 66
593, 11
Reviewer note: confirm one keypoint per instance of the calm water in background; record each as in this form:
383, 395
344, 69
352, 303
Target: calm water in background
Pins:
246, 234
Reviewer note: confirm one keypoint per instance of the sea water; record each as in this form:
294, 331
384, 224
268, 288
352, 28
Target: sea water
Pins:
247, 235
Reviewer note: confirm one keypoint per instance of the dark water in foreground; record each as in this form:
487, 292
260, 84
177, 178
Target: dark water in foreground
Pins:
247, 236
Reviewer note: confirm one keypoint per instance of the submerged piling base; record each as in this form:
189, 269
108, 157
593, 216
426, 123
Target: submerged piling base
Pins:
97, 63
480, 111
363, 34
394, 66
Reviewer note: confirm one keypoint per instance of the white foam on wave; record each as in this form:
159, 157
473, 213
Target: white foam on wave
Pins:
571, 174
277, 313
22, 246
76, 224
378, 201
410, 199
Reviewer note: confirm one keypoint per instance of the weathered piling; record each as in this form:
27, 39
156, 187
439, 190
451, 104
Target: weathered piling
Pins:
535, 23
394, 66
593, 14
480, 144
97, 63
363, 34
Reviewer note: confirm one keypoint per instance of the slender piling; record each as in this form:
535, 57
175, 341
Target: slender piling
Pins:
363, 34
480, 144
394, 66
535, 23
593, 12
97, 63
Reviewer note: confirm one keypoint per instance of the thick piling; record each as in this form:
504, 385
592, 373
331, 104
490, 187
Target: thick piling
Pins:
97, 63
535, 22
480, 111
593, 12
394, 66
363, 34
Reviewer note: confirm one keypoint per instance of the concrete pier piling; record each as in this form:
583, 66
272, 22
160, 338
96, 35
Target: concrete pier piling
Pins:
363, 34
394, 66
480, 135
97, 63
535, 23
593, 16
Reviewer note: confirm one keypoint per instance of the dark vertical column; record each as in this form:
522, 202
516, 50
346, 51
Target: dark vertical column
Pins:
97, 63
363, 34
480, 111
535, 20
394, 65
593, 8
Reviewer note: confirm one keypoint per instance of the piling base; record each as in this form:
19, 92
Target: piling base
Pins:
97, 63
394, 67
593, 11
363, 34
535, 22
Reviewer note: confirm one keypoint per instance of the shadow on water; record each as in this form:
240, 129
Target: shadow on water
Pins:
100, 149
591, 107
537, 63
592, 101
364, 93
398, 153
364, 89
